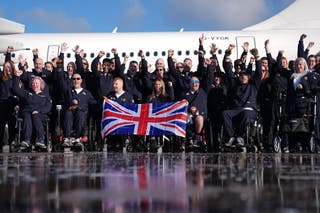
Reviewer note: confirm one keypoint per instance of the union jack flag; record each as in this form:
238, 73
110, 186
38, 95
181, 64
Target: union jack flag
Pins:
144, 119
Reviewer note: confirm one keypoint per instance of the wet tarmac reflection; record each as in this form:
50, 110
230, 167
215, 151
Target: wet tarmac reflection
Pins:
112, 182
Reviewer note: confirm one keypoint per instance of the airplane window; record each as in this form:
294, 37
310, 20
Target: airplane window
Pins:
195, 52
155, 53
179, 52
92, 55
219, 51
108, 55
187, 52
13, 55
123, 54
84, 55
68, 55
131, 54
163, 53
147, 53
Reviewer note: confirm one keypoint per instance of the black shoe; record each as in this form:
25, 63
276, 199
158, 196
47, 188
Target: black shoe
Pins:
286, 149
197, 141
299, 147
230, 142
41, 145
25, 146
240, 142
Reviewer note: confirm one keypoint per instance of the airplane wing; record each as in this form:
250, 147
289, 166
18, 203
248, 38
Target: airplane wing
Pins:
301, 14
9, 27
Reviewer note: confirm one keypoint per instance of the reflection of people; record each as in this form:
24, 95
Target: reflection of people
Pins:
37, 105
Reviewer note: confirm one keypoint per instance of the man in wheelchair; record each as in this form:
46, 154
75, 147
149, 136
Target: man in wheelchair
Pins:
77, 100
243, 105
197, 111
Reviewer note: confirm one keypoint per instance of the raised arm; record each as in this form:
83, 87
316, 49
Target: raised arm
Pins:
95, 62
258, 73
301, 51
8, 53
118, 69
172, 70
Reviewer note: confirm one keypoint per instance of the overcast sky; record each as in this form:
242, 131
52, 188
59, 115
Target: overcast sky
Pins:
139, 15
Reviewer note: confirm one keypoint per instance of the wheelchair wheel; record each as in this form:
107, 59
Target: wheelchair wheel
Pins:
276, 144
312, 144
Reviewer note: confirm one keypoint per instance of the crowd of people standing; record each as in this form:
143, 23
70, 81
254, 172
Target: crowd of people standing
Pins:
228, 93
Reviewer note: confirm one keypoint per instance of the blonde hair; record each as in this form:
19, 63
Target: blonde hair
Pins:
162, 90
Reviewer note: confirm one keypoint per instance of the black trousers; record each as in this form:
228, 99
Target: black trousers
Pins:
237, 119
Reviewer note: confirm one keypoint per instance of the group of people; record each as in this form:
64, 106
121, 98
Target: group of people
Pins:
229, 97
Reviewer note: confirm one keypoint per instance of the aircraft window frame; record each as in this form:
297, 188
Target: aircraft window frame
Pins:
187, 52
123, 54
108, 55
179, 52
155, 53
195, 52
147, 53
163, 53
131, 54
84, 55
68, 55
13, 55
220, 51
91, 55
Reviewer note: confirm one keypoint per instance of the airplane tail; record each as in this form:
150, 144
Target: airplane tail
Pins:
301, 14
9, 27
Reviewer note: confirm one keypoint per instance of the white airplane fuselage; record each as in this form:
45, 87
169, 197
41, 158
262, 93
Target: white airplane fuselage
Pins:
156, 44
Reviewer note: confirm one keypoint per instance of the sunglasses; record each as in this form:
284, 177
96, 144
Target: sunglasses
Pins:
194, 81
76, 79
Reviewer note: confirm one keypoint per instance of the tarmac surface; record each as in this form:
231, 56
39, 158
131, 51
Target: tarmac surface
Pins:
151, 182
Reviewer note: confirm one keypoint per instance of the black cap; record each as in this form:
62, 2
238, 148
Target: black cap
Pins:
218, 74
244, 72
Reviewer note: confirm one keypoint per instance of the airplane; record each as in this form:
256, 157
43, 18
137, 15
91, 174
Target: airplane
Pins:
283, 30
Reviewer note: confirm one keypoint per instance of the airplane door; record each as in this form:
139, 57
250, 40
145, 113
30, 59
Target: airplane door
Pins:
240, 41
53, 51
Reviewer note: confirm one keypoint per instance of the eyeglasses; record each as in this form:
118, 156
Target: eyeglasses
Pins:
76, 79
194, 81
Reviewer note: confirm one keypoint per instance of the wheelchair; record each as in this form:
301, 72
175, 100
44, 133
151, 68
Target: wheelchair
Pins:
88, 142
17, 146
206, 144
299, 131
252, 137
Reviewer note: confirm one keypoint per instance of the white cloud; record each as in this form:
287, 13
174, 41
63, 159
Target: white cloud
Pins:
58, 21
133, 14
221, 14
